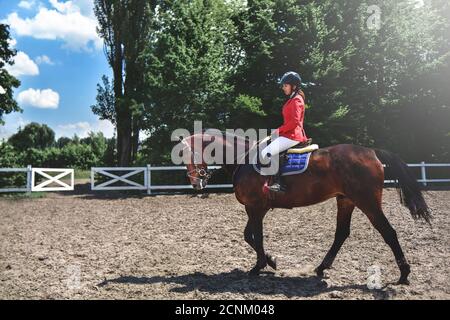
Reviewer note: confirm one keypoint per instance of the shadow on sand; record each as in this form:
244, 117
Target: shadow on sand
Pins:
238, 281
83, 190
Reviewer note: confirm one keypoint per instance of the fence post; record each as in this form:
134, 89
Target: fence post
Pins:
149, 179
424, 173
29, 179
92, 178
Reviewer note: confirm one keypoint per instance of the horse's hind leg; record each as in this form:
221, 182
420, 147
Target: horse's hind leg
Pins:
253, 235
376, 216
380, 222
344, 216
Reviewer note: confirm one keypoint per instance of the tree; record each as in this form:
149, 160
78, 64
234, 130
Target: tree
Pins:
62, 142
7, 81
279, 36
104, 108
187, 71
97, 142
374, 86
33, 135
124, 26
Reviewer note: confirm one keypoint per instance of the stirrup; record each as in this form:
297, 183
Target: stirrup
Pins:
277, 187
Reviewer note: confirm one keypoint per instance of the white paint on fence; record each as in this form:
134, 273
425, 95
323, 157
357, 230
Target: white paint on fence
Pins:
130, 185
44, 185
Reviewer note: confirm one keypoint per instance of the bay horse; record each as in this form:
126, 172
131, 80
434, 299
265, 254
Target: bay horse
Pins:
352, 174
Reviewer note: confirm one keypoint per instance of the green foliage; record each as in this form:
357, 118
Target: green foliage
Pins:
10, 159
219, 61
104, 108
187, 71
33, 135
94, 150
7, 81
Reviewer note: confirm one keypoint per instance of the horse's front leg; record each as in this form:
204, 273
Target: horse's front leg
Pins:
254, 237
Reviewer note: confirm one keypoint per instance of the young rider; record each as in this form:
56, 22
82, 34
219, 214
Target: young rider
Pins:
291, 132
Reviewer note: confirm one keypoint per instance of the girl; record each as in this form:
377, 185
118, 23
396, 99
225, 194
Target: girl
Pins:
291, 132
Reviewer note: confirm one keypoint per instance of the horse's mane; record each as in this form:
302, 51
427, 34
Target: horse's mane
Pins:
248, 143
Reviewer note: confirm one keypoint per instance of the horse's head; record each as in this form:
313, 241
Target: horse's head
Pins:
197, 169
198, 175
198, 153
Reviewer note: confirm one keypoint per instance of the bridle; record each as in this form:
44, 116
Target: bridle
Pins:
203, 173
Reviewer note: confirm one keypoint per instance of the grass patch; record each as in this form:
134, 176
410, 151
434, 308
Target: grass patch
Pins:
82, 174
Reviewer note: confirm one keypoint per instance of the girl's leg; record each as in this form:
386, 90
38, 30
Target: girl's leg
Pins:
276, 146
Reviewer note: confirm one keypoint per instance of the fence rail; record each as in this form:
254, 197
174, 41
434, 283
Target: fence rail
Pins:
132, 185
149, 169
45, 185
125, 178
26, 188
33, 173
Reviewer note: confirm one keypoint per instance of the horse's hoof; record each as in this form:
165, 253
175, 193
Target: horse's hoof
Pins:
319, 272
272, 262
403, 282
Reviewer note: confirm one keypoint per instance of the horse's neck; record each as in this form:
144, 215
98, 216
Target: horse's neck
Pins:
241, 160
237, 146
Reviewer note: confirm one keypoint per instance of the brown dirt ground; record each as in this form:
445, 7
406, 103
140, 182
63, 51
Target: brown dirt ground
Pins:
72, 246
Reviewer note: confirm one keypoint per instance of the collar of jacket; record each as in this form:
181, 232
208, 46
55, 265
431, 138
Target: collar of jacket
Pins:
292, 94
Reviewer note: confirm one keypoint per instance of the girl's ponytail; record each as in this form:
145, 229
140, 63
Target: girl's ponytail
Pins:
300, 92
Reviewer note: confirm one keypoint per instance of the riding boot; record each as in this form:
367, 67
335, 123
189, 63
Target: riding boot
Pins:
278, 184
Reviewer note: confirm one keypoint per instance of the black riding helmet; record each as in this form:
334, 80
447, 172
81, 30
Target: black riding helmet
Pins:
292, 78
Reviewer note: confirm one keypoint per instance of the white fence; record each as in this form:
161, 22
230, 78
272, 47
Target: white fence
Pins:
147, 185
132, 185
45, 185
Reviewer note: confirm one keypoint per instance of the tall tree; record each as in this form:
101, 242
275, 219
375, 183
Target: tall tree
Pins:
124, 26
7, 81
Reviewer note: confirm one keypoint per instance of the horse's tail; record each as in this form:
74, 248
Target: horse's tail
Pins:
410, 194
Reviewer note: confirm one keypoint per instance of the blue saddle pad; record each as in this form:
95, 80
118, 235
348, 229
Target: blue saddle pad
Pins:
295, 164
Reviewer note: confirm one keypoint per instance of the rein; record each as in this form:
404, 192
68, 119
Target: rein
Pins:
203, 173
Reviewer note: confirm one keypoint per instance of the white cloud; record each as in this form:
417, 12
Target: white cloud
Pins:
44, 99
83, 128
26, 4
72, 22
44, 60
2, 91
23, 66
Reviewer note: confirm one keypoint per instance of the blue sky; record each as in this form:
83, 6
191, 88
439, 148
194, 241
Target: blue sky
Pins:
60, 60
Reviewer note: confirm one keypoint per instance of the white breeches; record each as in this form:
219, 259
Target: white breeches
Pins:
278, 145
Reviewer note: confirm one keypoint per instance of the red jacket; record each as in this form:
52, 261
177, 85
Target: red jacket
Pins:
293, 115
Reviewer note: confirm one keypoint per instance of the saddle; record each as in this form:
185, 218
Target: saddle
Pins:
302, 147
296, 158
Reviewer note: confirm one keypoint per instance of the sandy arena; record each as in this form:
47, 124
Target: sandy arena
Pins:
84, 246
